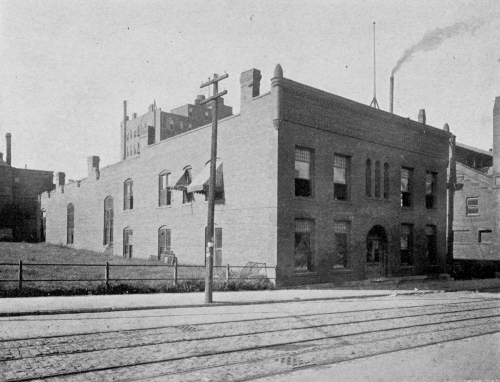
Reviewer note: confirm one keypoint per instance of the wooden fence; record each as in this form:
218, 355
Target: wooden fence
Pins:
250, 271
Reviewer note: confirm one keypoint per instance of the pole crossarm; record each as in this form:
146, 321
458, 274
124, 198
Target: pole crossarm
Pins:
214, 97
214, 80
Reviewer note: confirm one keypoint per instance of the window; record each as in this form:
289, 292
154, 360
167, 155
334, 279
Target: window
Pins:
430, 248
406, 244
406, 186
430, 190
340, 177
70, 230
386, 181
164, 241
128, 236
128, 199
484, 236
190, 111
472, 206
182, 125
377, 179
341, 233
171, 124
303, 186
108, 221
368, 178
303, 245
165, 191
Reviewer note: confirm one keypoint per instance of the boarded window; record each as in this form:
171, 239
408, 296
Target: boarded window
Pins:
303, 245
303, 186
340, 177
70, 230
108, 221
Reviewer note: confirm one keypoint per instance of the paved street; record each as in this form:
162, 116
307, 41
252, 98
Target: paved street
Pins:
274, 341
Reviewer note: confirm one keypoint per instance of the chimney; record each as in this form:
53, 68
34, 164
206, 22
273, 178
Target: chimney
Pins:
391, 96
60, 179
93, 167
421, 116
8, 156
198, 99
250, 85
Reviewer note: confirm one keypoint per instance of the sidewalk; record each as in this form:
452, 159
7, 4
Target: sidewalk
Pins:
352, 290
107, 303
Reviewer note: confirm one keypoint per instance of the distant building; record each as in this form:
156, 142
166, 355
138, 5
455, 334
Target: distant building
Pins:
476, 228
324, 188
20, 214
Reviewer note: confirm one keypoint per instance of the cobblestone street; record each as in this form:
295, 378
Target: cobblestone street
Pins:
235, 343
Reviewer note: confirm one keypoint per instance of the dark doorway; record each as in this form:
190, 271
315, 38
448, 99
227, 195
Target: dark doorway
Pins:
376, 253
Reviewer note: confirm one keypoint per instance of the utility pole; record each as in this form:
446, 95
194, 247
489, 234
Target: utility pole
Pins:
209, 237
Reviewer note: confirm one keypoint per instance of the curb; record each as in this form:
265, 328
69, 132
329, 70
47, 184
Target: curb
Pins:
224, 303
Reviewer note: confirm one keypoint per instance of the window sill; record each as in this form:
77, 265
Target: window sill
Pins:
342, 270
305, 273
129, 210
311, 198
163, 207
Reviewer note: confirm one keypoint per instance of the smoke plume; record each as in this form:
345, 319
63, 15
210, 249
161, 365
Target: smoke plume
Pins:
435, 37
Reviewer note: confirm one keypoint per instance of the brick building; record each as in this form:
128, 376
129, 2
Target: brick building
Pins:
476, 214
322, 187
20, 215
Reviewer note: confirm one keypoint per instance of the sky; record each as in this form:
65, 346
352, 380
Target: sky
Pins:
66, 66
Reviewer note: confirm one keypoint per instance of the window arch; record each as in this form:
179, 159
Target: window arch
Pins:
128, 195
368, 175
377, 179
128, 236
386, 181
108, 221
70, 224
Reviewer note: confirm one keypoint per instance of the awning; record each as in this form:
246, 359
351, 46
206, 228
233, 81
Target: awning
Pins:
200, 183
180, 180
175, 178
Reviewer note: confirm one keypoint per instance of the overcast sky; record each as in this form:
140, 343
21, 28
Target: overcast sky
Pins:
66, 66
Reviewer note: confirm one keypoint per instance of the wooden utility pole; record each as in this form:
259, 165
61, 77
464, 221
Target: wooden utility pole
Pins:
209, 237
452, 186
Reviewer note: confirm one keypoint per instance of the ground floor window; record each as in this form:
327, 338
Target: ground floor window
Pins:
406, 244
304, 233
341, 233
164, 241
430, 248
128, 236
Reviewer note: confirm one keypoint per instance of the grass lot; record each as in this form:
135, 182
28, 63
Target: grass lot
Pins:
92, 271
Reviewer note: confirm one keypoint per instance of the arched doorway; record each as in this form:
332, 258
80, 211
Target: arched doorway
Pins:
376, 253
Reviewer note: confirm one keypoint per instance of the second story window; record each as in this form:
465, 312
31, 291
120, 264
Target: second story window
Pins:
472, 206
165, 192
430, 190
303, 159
368, 178
386, 181
128, 195
377, 179
340, 177
406, 186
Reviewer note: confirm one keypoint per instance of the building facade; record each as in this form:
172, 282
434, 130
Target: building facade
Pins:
476, 213
20, 216
324, 188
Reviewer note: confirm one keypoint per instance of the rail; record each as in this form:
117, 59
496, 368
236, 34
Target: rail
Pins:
227, 270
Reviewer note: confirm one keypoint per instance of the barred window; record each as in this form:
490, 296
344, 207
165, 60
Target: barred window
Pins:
303, 185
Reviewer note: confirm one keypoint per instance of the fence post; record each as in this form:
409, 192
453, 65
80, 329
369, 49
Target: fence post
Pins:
106, 275
227, 272
175, 271
20, 276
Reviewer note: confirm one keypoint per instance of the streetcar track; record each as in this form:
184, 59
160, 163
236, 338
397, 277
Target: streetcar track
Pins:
238, 321
254, 348
237, 334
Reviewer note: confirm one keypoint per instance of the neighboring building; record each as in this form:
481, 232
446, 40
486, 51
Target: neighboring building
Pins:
476, 211
20, 215
324, 188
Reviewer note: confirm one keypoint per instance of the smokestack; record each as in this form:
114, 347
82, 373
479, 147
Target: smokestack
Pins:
421, 116
391, 95
8, 158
